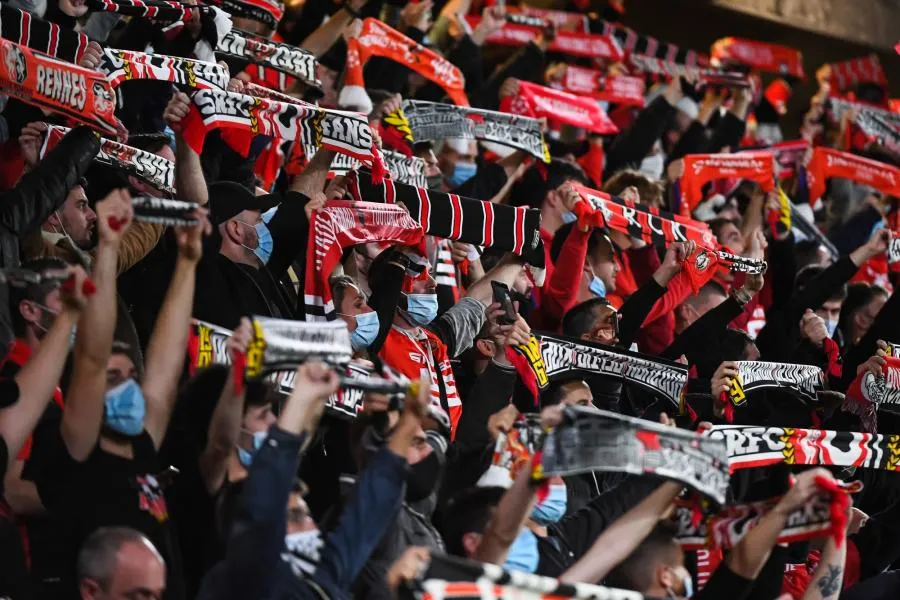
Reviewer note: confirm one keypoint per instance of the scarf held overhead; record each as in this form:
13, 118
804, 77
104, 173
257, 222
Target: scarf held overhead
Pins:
615, 89
700, 169
881, 125
267, 12
882, 391
127, 65
285, 58
344, 224
598, 440
377, 39
571, 43
749, 446
23, 28
403, 169
81, 94
436, 121
826, 163
560, 107
761, 56
158, 10
802, 381
146, 166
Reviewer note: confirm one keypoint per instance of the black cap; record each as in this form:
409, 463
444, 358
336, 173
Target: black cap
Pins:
227, 199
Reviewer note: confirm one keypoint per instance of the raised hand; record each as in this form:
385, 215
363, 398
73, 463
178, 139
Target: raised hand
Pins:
177, 109
114, 216
190, 237
31, 138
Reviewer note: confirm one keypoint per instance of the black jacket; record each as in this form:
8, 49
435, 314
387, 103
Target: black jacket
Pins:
41, 191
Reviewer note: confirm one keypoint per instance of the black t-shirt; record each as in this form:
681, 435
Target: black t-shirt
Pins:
105, 490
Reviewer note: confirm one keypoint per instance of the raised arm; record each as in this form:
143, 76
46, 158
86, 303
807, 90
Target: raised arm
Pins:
225, 425
509, 518
314, 176
828, 579
83, 414
165, 353
40, 375
190, 185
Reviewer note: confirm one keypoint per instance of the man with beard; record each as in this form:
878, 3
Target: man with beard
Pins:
73, 222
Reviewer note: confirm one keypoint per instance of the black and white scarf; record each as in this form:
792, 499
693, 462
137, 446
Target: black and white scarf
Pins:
267, 12
127, 65
155, 170
597, 440
750, 446
158, 10
282, 57
882, 125
164, 211
436, 121
28, 30
403, 169
279, 344
803, 381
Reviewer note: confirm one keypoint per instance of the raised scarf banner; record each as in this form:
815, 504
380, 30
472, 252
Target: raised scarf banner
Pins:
558, 106
126, 65
826, 163
615, 89
803, 381
344, 132
343, 224
550, 356
788, 156
403, 169
750, 446
377, 39
267, 12
725, 529
512, 451
881, 125
285, 58
700, 169
564, 20
452, 578
281, 344
883, 391
571, 43
146, 166
659, 67
649, 48
477, 222
850, 73
158, 10
23, 28
164, 211
83, 95
598, 440
437, 121
761, 56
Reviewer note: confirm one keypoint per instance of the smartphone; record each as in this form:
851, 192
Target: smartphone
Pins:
501, 297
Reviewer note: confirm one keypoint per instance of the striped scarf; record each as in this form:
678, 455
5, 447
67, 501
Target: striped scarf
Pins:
881, 125
267, 12
127, 65
802, 381
850, 73
261, 52
158, 10
23, 28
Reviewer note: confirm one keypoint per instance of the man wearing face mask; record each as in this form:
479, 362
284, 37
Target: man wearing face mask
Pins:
456, 161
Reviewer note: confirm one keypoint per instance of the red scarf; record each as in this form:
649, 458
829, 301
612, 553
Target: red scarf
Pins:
826, 163
564, 20
699, 169
850, 73
343, 224
83, 95
377, 39
771, 58
539, 101
571, 43
615, 89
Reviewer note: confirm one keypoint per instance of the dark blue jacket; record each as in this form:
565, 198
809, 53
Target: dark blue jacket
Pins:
253, 567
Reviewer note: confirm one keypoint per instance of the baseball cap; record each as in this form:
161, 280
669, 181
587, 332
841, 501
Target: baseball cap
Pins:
227, 199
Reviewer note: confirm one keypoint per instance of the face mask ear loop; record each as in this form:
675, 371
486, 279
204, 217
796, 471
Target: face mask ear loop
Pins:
61, 226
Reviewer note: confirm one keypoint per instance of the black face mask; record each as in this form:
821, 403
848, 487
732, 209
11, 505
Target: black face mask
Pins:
423, 478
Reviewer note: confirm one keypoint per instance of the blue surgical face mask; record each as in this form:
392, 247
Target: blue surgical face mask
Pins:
462, 172
831, 327
246, 456
422, 308
125, 408
267, 216
597, 287
569, 217
367, 325
523, 554
263, 250
553, 508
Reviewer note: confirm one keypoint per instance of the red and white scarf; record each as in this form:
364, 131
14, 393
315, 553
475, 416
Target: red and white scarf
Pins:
700, 169
267, 12
557, 106
771, 58
158, 10
564, 20
377, 39
615, 89
571, 43
126, 65
882, 126
83, 95
850, 73
23, 28
826, 163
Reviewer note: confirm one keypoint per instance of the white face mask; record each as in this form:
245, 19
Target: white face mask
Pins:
652, 166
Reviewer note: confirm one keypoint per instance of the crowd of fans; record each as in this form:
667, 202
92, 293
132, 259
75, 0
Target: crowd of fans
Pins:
132, 470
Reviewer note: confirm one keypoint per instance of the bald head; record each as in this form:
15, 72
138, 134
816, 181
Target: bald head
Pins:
118, 563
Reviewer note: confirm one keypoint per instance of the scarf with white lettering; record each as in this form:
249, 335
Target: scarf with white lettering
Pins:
850, 73
788, 156
700, 169
615, 89
650, 55
282, 344
869, 392
158, 10
513, 229
436, 121
750, 446
571, 43
23, 28
452, 578
127, 65
146, 166
599, 440
564, 20
550, 356
881, 125
558, 107
378, 39
802, 381
282, 57
164, 211
403, 169
761, 56
826, 163
343, 132
267, 12
726, 528
343, 224
83, 95
512, 450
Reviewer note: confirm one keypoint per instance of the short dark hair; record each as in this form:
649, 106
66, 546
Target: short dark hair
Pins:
97, 557
859, 294
561, 171
35, 292
716, 225
636, 572
597, 238
651, 191
149, 142
809, 273
558, 389
731, 344
582, 318
806, 253
469, 511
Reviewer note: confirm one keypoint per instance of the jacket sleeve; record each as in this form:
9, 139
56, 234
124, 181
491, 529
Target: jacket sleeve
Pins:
385, 297
290, 233
137, 243
467, 56
693, 341
257, 536
490, 393
856, 231
459, 325
819, 289
728, 132
43, 189
526, 64
635, 143
886, 327
365, 519
725, 583
561, 291
693, 141
677, 290
635, 310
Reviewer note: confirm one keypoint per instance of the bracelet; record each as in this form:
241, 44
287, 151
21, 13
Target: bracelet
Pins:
353, 13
